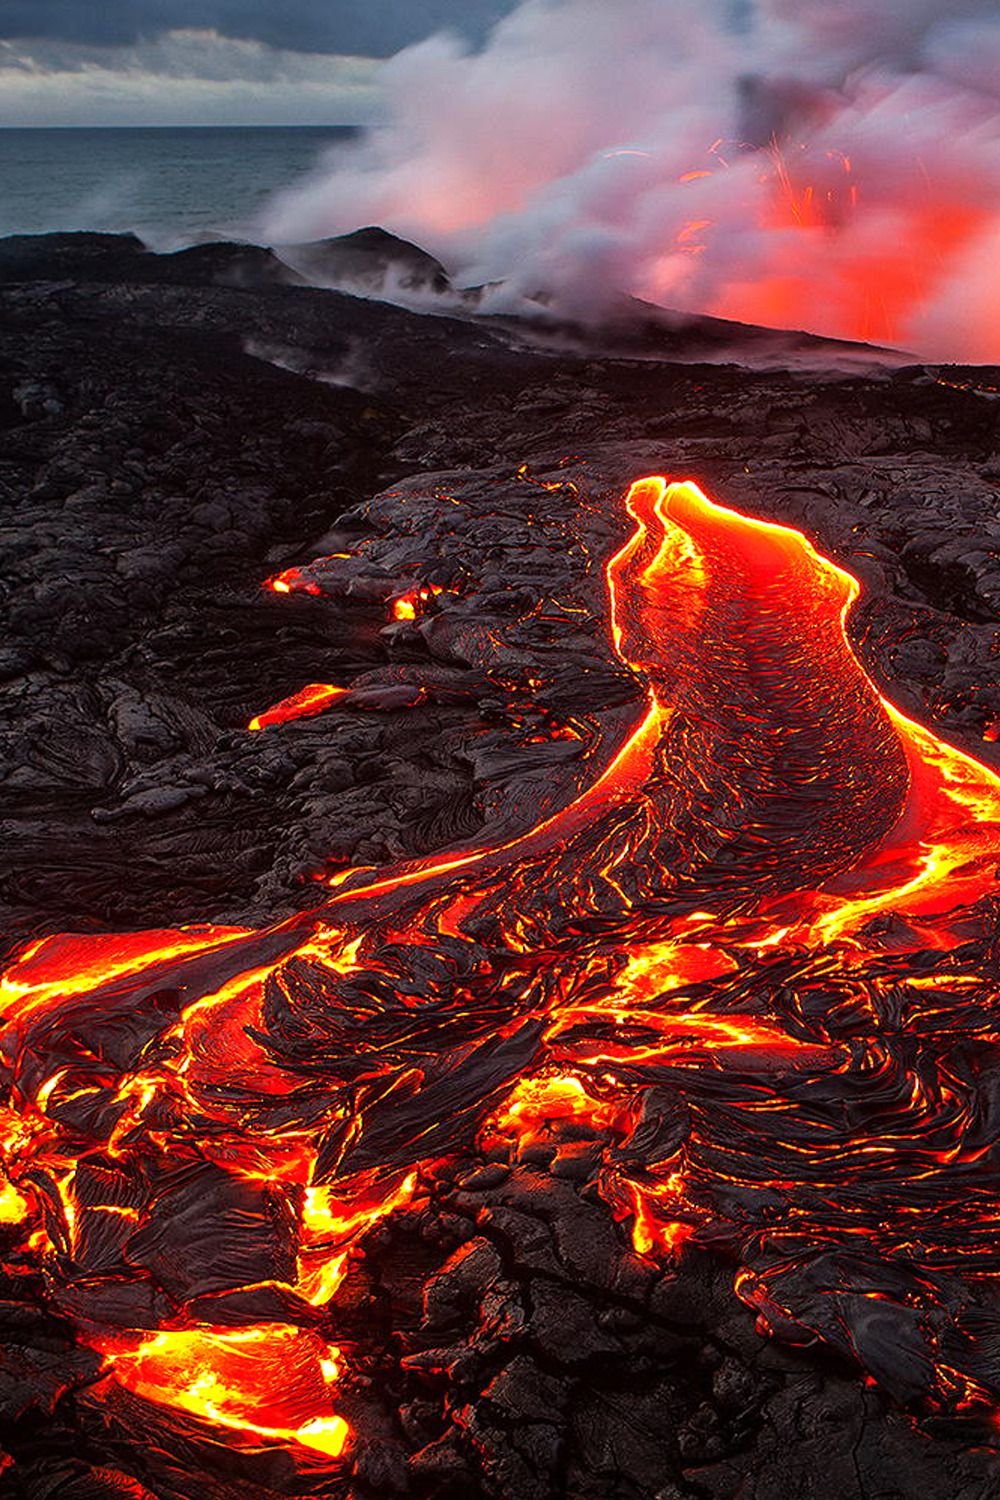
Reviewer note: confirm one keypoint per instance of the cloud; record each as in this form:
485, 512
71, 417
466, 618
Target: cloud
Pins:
180, 78
374, 28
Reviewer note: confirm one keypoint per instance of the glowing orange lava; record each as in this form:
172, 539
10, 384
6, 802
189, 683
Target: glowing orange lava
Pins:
409, 606
264, 1382
314, 698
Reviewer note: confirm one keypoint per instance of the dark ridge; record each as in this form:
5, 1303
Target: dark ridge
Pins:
221, 264
367, 258
77, 257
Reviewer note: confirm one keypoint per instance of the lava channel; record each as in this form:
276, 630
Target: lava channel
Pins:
757, 955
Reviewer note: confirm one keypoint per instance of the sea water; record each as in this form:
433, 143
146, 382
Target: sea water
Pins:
170, 186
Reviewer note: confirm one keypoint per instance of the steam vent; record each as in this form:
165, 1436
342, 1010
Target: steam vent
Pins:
500, 894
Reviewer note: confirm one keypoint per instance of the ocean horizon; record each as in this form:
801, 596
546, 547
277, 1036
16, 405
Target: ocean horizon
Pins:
170, 185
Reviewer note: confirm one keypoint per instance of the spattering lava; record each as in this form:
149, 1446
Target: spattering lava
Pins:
757, 952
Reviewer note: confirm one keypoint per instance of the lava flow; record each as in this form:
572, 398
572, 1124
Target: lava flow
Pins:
756, 954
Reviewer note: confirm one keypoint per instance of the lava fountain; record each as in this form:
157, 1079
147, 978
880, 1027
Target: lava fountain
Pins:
757, 953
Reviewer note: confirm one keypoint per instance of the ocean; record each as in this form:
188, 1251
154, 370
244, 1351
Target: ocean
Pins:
170, 186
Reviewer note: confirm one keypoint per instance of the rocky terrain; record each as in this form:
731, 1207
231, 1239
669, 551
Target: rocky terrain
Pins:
175, 431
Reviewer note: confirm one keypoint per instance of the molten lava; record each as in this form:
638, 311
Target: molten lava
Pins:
315, 698
755, 953
257, 1381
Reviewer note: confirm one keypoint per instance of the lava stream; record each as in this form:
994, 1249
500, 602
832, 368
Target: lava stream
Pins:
756, 956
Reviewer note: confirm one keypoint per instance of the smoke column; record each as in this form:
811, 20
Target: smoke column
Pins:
796, 163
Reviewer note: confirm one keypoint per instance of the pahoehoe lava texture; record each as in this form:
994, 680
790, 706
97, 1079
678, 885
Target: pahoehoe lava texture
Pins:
673, 965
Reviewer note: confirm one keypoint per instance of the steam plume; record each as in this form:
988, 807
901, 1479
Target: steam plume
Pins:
798, 163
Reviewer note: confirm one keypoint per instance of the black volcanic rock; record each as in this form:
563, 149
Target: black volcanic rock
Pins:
630, 328
80, 256
123, 258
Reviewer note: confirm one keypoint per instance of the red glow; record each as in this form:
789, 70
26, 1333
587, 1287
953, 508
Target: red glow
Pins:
870, 293
874, 281
314, 698
806, 236
293, 581
409, 606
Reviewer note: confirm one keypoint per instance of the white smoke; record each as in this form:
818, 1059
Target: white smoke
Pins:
823, 164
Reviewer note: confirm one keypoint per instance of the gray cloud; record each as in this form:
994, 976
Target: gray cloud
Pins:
183, 78
373, 28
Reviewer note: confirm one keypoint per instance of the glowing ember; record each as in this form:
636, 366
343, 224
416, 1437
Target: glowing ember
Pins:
409, 606
14, 1207
293, 581
749, 965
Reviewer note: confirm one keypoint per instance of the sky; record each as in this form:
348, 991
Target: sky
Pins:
190, 62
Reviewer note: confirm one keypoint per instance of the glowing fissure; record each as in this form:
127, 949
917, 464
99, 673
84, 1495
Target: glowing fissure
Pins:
766, 899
